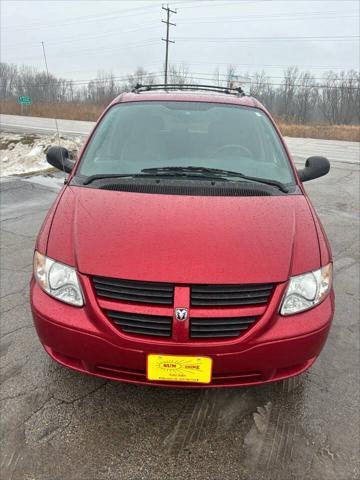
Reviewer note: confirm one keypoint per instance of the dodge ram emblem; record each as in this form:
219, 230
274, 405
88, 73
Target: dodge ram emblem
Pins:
181, 314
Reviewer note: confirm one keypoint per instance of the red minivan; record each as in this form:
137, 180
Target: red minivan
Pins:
182, 249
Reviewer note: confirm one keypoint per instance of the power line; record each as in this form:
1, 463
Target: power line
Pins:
335, 67
144, 10
205, 20
90, 80
246, 39
292, 16
109, 71
220, 4
232, 19
257, 76
84, 37
88, 18
102, 50
302, 85
200, 76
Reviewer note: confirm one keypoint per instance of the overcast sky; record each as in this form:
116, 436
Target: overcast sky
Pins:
82, 37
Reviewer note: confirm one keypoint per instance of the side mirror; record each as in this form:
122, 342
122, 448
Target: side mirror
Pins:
58, 157
315, 167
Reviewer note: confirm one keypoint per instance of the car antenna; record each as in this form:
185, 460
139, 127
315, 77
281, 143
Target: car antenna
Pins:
56, 122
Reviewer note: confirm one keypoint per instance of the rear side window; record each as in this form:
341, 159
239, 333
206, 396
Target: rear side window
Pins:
137, 135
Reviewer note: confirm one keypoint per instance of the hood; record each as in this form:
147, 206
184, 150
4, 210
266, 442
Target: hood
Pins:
184, 239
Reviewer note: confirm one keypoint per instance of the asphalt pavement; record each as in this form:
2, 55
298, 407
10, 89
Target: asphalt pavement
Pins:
24, 124
57, 424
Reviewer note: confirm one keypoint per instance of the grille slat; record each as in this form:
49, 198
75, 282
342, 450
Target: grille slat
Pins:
134, 290
139, 324
220, 327
133, 285
136, 299
128, 291
224, 303
231, 288
229, 296
223, 295
140, 331
214, 335
217, 322
144, 318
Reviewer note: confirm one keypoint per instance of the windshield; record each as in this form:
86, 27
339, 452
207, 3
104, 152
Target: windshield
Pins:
139, 135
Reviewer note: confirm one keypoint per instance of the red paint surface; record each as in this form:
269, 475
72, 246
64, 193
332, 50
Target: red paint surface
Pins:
183, 239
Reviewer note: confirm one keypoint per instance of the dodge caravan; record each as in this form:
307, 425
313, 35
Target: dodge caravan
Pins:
183, 249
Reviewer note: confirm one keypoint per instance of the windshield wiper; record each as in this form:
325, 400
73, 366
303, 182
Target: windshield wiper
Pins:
149, 172
103, 176
210, 172
190, 171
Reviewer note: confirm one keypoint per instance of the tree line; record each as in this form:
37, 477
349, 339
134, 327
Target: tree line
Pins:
296, 97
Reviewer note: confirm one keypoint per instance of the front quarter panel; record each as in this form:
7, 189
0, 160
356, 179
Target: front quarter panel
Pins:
43, 235
324, 244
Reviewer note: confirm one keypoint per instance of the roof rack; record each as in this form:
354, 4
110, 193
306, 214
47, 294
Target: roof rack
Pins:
173, 86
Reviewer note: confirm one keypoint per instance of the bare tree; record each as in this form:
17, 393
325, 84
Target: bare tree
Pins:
103, 89
305, 99
260, 88
230, 74
216, 77
179, 75
8, 76
140, 76
339, 99
287, 93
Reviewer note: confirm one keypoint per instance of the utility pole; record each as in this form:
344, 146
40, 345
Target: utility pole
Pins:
47, 72
168, 23
49, 99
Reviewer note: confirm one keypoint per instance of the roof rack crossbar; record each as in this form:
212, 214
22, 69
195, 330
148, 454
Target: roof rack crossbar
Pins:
173, 86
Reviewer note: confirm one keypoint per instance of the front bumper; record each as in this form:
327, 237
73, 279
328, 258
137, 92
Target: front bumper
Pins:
84, 340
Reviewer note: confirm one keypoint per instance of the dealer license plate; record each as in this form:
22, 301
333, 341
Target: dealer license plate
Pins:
175, 368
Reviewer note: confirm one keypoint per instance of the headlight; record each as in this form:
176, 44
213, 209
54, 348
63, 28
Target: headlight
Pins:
307, 290
58, 280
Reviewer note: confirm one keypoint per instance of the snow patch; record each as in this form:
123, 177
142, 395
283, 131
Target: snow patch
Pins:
35, 151
22, 154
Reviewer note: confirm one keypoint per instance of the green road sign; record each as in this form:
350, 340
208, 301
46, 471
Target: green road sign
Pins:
24, 100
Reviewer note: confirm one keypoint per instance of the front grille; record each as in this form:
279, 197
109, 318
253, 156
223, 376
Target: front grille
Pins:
153, 325
204, 295
222, 295
134, 291
220, 327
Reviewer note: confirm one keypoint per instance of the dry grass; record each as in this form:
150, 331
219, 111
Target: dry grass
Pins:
68, 111
350, 133
91, 112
